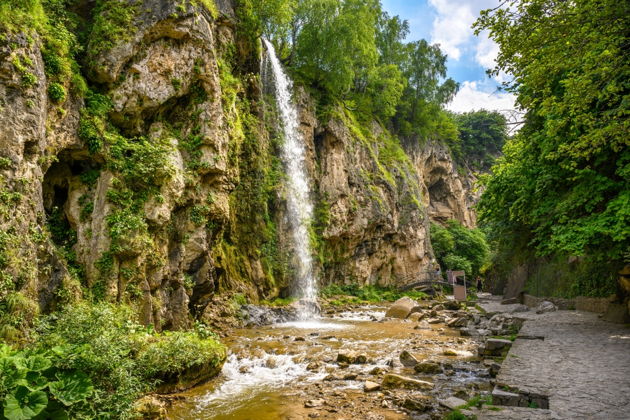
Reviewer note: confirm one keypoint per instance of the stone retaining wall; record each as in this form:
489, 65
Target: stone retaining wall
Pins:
590, 304
581, 303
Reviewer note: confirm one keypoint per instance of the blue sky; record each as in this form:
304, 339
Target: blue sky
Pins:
448, 23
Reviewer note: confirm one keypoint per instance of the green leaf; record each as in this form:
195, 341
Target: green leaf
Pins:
24, 404
36, 381
5, 351
38, 363
71, 387
12, 375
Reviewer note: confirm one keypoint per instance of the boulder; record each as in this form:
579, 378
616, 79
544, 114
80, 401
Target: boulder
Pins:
314, 366
407, 359
351, 358
150, 407
401, 308
493, 367
417, 403
416, 316
370, 386
452, 402
546, 306
314, 403
468, 332
449, 352
494, 347
377, 371
452, 305
424, 325
501, 397
428, 367
397, 381
520, 308
457, 322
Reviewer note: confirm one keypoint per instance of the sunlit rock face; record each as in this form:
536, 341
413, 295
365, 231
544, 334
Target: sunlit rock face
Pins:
448, 190
196, 240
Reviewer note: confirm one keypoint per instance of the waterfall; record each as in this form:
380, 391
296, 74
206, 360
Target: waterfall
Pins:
299, 206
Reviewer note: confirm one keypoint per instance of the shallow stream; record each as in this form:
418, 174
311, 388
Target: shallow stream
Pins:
276, 371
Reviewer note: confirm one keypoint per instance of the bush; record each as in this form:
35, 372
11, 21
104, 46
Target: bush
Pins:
121, 358
456, 262
56, 92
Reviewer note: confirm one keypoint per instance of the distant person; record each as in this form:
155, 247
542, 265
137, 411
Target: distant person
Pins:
479, 283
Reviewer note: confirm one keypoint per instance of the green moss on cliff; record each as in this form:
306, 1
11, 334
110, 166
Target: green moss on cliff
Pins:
113, 23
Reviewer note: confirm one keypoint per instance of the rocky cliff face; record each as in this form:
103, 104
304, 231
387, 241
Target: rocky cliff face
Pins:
449, 190
160, 186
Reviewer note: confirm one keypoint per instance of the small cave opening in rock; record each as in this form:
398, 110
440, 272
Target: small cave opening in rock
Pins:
438, 191
56, 187
318, 141
440, 199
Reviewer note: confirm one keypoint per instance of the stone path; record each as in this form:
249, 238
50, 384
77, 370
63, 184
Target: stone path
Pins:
582, 365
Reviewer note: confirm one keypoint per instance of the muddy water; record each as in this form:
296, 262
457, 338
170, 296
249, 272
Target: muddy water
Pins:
274, 371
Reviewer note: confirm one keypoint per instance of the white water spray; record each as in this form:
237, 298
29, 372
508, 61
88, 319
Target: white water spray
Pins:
299, 206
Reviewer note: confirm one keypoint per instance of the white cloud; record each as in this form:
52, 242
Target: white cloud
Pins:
471, 97
486, 51
451, 28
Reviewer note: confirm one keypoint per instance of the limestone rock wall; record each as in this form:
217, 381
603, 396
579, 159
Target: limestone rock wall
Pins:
448, 190
173, 202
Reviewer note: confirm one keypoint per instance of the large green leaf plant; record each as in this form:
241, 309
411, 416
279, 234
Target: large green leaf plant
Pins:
32, 388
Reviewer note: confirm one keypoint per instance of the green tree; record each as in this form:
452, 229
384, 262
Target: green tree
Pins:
335, 47
420, 110
563, 185
269, 18
459, 248
390, 34
482, 135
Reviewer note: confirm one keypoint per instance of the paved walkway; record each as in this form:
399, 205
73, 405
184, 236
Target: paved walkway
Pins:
582, 366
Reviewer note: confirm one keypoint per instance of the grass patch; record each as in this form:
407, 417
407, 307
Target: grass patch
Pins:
354, 293
279, 302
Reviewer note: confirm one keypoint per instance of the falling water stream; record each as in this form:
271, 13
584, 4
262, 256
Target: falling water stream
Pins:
299, 206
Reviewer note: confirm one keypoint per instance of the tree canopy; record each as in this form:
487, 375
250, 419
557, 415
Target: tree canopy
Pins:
482, 135
563, 185
459, 248
352, 51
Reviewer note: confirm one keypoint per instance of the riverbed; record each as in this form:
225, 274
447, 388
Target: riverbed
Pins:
292, 370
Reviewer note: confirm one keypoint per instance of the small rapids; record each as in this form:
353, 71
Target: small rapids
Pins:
244, 378
276, 371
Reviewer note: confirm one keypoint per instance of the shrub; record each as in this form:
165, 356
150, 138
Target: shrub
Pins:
368, 293
121, 358
56, 92
457, 262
